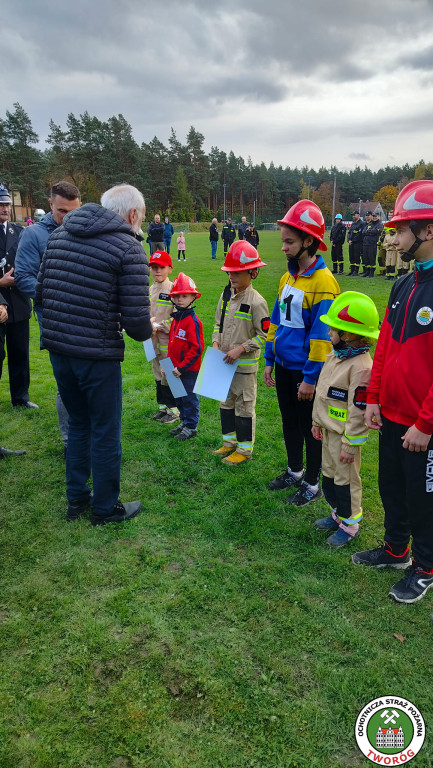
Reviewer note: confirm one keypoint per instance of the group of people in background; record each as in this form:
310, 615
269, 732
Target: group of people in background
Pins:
92, 281
246, 231
370, 241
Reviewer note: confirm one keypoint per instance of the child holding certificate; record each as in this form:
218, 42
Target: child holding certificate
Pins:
241, 324
160, 309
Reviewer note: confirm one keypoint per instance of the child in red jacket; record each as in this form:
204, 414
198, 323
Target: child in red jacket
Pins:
185, 348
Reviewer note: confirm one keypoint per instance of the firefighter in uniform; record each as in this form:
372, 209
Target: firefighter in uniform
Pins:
370, 236
390, 250
354, 237
160, 312
337, 237
228, 235
339, 408
400, 403
241, 324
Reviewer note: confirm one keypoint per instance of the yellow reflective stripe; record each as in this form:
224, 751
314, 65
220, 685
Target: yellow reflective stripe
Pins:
259, 340
246, 446
230, 437
242, 316
250, 360
358, 440
340, 414
164, 301
352, 520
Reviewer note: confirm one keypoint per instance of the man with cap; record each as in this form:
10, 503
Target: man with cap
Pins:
16, 331
354, 237
370, 236
338, 236
228, 235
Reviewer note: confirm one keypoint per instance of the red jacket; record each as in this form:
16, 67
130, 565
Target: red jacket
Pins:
185, 342
402, 374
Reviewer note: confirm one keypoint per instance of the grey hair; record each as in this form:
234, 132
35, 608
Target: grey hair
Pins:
122, 199
213, 220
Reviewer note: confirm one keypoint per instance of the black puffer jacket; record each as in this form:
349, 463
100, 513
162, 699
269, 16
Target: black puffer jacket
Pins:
93, 281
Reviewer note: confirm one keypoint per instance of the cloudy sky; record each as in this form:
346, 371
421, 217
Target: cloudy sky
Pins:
297, 82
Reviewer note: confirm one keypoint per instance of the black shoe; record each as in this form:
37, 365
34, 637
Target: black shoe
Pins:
6, 452
24, 404
185, 434
285, 481
177, 430
349, 274
413, 586
381, 557
304, 495
120, 513
327, 524
77, 508
366, 273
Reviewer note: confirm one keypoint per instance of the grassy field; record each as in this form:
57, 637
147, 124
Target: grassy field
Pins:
217, 629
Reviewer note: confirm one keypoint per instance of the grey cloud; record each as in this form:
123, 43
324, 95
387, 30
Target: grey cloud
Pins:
419, 59
359, 156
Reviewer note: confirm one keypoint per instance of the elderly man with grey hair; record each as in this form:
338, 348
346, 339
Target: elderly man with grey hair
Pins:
213, 237
94, 282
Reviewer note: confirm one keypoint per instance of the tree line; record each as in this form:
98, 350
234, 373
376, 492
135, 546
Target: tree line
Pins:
178, 179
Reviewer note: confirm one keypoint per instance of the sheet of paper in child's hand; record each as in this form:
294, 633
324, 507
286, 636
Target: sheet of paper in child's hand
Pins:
175, 384
215, 376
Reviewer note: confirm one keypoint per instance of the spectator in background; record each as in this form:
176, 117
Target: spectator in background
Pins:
94, 282
3, 317
155, 231
242, 228
354, 237
228, 235
213, 237
168, 234
338, 236
252, 236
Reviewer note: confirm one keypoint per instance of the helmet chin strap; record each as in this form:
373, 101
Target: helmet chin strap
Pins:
410, 254
294, 260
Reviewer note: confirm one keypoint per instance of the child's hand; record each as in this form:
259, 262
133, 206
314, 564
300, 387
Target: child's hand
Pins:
176, 373
215, 345
346, 458
317, 433
233, 355
267, 376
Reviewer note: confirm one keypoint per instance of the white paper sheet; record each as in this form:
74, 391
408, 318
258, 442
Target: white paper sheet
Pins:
149, 350
215, 376
175, 384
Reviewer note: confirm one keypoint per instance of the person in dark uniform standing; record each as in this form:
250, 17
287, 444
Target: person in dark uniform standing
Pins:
252, 236
228, 235
3, 317
338, 236
370, 236
16, 331
354, 237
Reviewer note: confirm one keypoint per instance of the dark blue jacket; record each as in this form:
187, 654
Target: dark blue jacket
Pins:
31, 248
93, 281
156, 232
168, 231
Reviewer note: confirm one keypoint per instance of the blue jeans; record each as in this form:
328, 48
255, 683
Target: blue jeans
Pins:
213, 245
92, 393
189, 406
167, 244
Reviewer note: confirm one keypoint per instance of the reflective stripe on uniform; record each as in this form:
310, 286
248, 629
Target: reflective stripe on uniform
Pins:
230, 438
352, 520
340, 414
358, 440
249, 360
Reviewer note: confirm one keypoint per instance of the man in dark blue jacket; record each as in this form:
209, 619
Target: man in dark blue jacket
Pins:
94, 282
64, 197
155, 231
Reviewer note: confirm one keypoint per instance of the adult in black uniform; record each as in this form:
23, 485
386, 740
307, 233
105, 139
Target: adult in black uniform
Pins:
370, 236
252, 236
228, 235
338, 236
354, 237
3, 317
16, 331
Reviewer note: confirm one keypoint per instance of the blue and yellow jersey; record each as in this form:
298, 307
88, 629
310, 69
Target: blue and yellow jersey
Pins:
297, 339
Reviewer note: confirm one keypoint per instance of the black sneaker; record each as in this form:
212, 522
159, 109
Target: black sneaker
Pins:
413, 586
327, 524
77, 508
176, 430
7, 452
285, 481
304, 495
120, 513
185, 434
381, 557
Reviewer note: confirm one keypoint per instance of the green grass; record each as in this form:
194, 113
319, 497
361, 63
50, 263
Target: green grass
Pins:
215, 630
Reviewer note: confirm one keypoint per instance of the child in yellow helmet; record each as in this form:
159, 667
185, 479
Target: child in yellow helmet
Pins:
338, 411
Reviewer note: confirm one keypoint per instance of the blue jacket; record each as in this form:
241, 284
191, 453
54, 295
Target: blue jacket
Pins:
297, 339
93, 282
168, 231
31, 248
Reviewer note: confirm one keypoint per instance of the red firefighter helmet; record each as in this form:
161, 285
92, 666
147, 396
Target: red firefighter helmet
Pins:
306, 216
242, 256
184, 284
415, 201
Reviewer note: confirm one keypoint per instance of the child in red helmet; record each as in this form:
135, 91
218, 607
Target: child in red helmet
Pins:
160, 309
241, 323
185, 348
297, 345
400, 403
